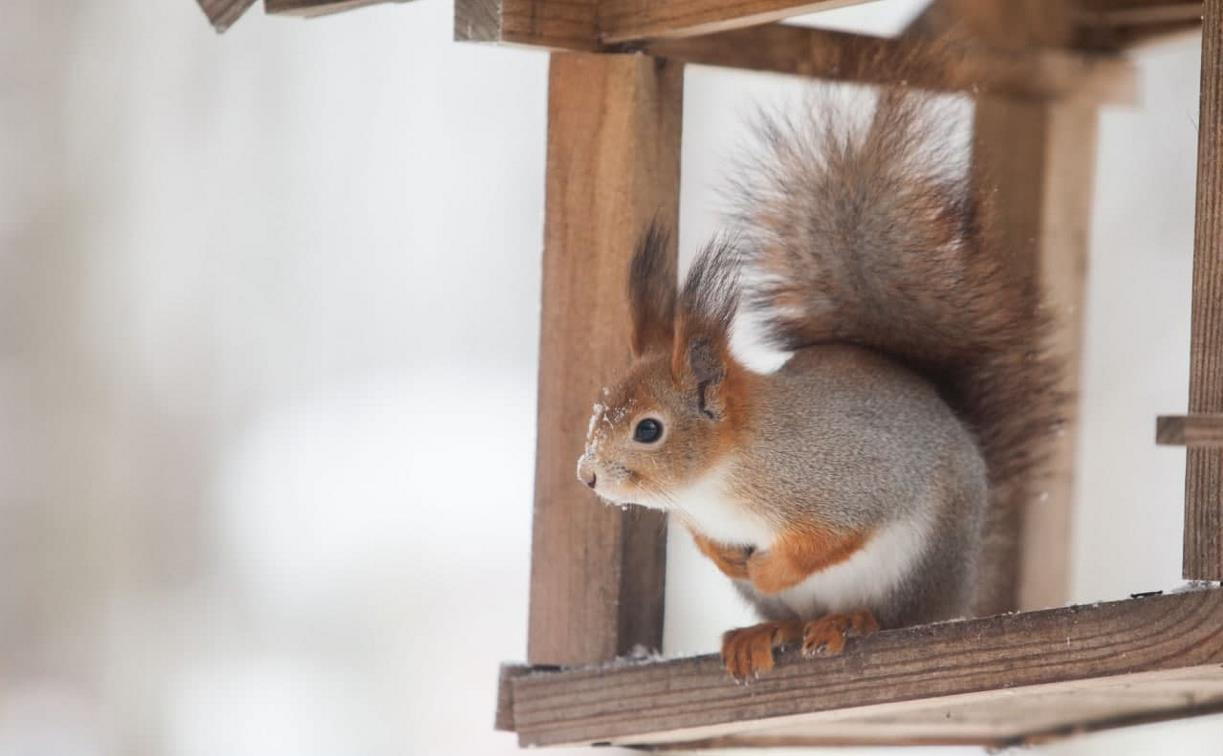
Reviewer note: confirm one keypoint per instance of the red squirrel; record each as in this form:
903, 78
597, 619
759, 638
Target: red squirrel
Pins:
865, 483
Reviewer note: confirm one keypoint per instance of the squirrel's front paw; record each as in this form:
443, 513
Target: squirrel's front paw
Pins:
772, 572
731, 560
748, 651
826, 635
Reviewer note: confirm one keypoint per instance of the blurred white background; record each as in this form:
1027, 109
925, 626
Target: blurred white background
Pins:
268, 334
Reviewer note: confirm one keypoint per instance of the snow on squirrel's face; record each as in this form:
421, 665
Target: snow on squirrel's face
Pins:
648, 437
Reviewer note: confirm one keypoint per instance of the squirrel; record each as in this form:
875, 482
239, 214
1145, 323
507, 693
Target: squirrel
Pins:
867, 482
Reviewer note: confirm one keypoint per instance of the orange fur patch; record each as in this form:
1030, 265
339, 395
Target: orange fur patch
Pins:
798, 553
731, 560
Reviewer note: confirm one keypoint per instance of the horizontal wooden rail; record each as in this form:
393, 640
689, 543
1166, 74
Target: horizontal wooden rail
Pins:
587, 25
625, 20
988, 680
311, 8
839, 56
1143, 13
1203, 431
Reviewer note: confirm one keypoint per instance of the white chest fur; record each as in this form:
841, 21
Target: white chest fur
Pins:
867, 578
708, 506
864, 580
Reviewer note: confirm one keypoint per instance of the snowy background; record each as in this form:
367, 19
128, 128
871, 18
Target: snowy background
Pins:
268, 332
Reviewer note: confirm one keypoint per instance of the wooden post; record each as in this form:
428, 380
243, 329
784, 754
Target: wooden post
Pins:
1040, 158
1203, 546
613, 165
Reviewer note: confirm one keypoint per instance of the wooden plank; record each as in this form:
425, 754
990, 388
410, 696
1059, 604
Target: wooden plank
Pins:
1037, 159
984, 680
1144, 13
1001, 24
625, 20
613, 165
312, 8
1203, 548
588, 25
223, 13
1122, 24
567, 25
1191, 430
839, 56
504, 719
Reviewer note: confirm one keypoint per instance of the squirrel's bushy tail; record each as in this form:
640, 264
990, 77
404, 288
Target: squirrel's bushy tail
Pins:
867, 230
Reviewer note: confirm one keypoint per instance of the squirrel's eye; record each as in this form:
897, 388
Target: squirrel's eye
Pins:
647, 431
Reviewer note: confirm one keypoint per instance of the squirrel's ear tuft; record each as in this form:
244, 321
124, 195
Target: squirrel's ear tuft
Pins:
652, 291
706, 311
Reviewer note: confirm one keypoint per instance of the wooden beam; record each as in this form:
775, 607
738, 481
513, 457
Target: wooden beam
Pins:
838, 56
596, 24
1193, 430
1203, 554
1121, 24
1140, 14
550, 24
625, 20
312, 8
613, 165
223, 13
989, 680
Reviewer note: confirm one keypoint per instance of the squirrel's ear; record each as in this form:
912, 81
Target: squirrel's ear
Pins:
705, 313
651, 291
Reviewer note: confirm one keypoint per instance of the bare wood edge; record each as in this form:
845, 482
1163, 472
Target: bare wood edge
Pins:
840, 56
316, 8
504, 719
633, 20
1042, 737
1204, 431
223, 13
1141, 15
1026, 652
536, 24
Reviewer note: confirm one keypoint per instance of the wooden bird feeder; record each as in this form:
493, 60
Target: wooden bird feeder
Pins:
1038, 70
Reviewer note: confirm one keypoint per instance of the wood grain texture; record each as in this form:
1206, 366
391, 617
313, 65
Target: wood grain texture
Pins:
223, 13
551, 24
1203, 554
1036, 160
1123, 24
838, 56
988, 681
1001, 24
312, 8
1191, 430
625, 20
613, 165
504, 719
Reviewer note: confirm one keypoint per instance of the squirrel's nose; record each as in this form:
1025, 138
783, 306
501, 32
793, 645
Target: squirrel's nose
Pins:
586, 472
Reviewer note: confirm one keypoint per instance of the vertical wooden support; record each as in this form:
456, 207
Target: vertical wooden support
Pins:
1040, 159
1203, 555
613, 165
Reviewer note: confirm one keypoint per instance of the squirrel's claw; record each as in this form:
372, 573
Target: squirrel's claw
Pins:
748, 651
826, 635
